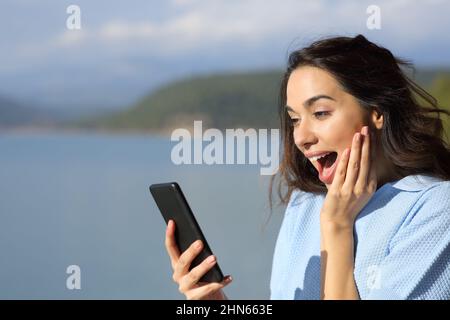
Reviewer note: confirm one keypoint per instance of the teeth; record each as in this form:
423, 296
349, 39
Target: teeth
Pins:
318, 157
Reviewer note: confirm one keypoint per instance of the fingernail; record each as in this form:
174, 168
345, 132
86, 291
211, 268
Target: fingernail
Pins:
211, 259
365, 130
229, 279
198, 244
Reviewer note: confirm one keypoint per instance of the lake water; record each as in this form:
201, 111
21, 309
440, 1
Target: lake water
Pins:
83, 199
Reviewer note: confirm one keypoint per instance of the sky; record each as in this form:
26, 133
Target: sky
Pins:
126, 48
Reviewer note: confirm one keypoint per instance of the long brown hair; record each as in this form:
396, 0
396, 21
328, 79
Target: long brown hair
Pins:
411, 137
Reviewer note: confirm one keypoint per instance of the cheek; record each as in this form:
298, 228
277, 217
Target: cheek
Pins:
339, 134
345, 140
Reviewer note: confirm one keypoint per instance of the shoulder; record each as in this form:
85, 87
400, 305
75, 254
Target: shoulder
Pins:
438, 191
421, 183
432, 201
435, 196
435, 200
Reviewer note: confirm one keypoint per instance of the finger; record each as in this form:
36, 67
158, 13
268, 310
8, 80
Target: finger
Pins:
353, 162
206, 290
365, 163
186, 258
171, 245
339, 176
196, 273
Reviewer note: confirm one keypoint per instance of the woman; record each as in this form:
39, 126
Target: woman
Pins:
367, 175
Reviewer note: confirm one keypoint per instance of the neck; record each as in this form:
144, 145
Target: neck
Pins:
385, 169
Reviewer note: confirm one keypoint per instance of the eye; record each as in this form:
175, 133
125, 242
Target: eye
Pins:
321, 114
294, 121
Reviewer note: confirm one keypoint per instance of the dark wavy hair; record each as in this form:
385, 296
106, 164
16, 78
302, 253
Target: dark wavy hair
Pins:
412, 134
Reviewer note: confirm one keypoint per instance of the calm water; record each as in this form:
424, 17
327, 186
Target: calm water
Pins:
74, 199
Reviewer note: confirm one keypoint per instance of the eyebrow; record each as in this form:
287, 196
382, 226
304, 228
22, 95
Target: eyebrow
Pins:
308, 103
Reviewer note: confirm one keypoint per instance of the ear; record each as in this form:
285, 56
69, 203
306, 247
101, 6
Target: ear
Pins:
377, 118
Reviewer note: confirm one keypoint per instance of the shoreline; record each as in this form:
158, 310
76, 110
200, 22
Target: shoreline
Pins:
38, 130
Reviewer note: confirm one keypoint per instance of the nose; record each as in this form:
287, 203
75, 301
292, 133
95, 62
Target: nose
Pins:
304, 136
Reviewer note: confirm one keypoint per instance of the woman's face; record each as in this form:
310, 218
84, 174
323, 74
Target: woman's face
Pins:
324, 118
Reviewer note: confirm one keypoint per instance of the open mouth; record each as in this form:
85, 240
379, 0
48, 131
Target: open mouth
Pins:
327, 166
328, 160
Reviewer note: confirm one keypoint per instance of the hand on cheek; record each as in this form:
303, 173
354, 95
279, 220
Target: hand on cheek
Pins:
353, 185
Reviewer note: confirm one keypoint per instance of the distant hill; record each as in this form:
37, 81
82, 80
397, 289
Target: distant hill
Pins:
225, 101
14, 114
440, 89
426, 77
221, 101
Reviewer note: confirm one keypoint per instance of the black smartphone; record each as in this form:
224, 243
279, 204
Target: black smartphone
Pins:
173, 206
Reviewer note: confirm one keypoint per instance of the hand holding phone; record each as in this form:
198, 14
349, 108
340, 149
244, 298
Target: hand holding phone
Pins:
195, 268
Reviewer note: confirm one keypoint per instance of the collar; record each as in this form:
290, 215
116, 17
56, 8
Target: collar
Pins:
415, 182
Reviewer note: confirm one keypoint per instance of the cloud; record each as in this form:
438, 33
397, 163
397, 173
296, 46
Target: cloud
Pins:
117, 30
158, 40
200, 25
183, 3
207, 26
69, 38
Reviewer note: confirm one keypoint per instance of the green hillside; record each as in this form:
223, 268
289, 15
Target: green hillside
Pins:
228, 101
440, 89
221, 101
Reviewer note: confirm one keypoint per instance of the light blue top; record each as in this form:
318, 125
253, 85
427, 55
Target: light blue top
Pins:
402, 244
